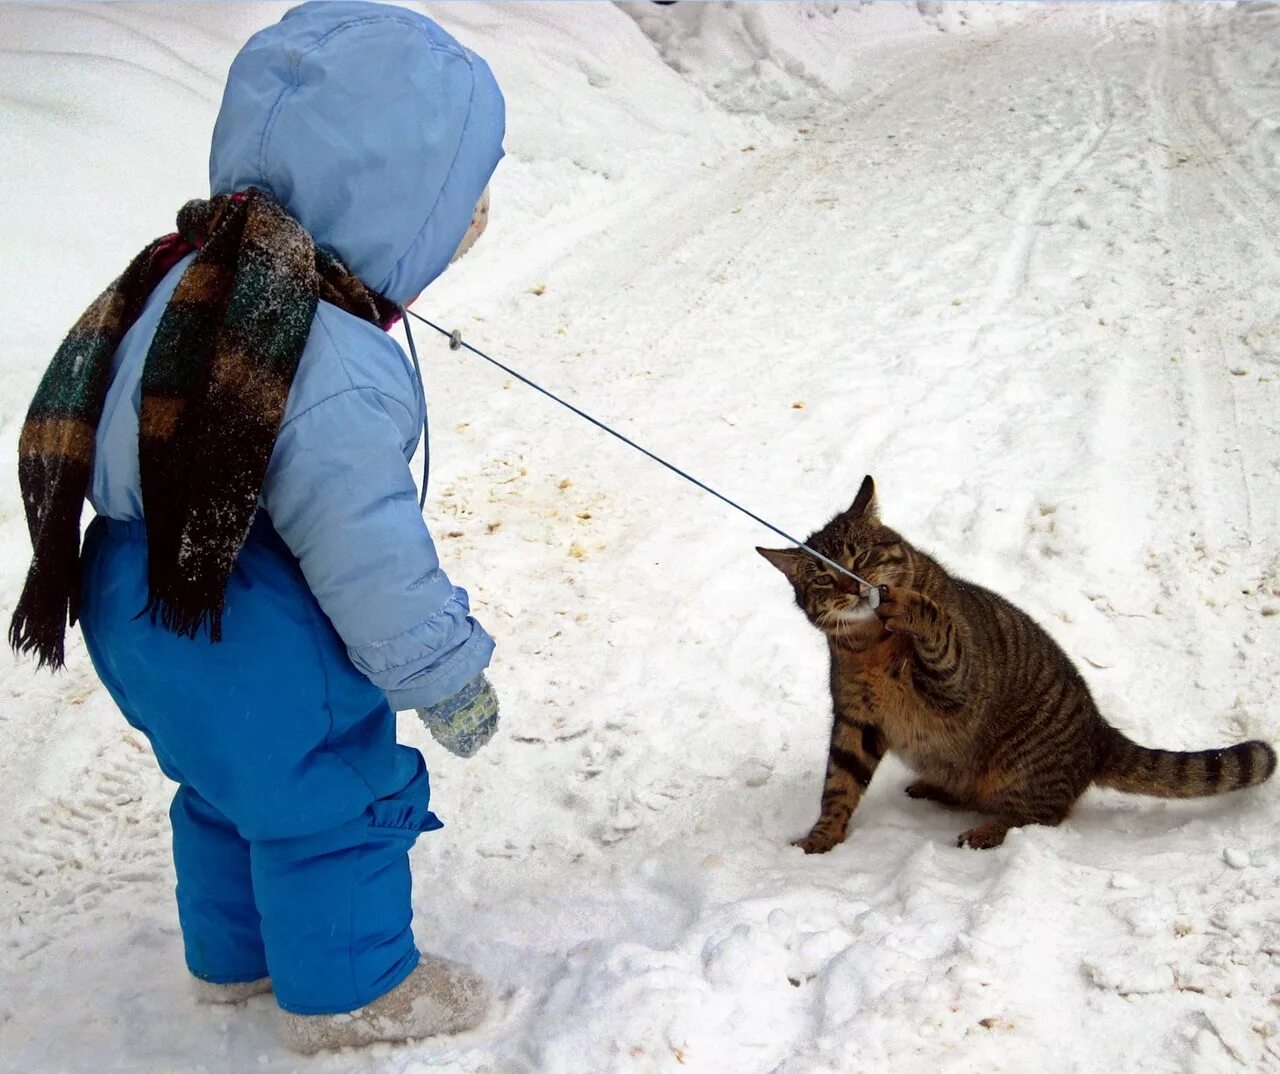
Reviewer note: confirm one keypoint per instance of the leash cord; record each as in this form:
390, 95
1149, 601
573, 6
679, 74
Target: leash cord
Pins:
455, 341
426, 432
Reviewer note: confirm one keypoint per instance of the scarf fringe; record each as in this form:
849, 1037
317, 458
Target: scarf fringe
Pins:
50, 595
184, 619
41, 634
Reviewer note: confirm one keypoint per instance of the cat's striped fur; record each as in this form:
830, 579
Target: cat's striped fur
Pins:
970, 692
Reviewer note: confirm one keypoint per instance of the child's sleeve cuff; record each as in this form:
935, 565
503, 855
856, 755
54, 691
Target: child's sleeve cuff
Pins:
429, 662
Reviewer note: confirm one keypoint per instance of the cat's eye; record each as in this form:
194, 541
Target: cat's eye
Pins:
823, 581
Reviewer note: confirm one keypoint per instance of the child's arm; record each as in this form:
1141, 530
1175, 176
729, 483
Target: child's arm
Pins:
341, 495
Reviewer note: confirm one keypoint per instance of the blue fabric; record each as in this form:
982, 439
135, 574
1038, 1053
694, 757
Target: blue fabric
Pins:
378, 132
297, 808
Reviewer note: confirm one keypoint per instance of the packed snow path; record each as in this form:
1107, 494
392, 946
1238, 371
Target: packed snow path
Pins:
1030, 281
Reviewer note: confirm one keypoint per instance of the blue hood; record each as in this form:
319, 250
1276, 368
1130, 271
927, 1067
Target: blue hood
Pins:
372, 126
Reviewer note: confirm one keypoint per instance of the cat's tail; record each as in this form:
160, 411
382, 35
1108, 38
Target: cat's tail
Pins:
1126, 766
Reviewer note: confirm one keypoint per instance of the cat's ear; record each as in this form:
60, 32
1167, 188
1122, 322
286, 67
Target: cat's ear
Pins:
787, 560
865, 504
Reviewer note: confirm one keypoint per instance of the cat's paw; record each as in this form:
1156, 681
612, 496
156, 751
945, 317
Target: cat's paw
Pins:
901, 611
984, 836
818, 841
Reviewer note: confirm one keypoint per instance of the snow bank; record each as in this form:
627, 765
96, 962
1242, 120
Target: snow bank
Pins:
796, 60
596, 122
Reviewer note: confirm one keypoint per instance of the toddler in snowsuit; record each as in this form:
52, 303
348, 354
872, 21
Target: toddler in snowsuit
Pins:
259, 592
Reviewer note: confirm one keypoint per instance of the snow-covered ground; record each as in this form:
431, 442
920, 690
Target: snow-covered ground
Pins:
1019, 263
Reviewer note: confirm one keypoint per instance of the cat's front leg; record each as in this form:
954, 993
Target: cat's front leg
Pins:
856, 749
938, 655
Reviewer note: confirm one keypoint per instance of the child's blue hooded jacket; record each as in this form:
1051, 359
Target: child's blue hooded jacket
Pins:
385, 175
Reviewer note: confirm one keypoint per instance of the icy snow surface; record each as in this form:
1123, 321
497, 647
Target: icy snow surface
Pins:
1019, 264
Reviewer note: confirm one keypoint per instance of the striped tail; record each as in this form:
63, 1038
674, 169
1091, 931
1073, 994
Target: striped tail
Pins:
1126, 766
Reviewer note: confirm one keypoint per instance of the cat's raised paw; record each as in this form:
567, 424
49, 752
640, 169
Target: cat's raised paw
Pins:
984, 836
899, 610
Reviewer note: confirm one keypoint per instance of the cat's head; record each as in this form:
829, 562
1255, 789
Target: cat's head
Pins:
858, 540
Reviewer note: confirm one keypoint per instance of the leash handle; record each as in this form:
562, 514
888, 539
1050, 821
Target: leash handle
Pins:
456, 341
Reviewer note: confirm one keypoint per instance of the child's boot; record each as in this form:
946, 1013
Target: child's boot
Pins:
236, 992
438, 997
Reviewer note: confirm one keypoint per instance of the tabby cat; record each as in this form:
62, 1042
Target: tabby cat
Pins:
969, 691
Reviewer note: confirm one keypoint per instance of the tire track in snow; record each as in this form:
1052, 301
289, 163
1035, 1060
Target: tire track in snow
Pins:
1014, 267
1199, 58
954, 410
1210, 543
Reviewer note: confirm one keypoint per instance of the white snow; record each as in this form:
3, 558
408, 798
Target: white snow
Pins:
1020, 264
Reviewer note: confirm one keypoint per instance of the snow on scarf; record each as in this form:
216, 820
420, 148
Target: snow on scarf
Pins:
214, 387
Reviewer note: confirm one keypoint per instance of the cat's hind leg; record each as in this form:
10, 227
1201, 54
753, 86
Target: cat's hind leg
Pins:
1034, 779
931, 792
1046, 800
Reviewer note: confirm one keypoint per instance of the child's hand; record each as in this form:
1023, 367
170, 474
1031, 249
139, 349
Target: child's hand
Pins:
467, 720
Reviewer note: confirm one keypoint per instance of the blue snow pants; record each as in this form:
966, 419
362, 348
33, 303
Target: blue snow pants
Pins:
296, 808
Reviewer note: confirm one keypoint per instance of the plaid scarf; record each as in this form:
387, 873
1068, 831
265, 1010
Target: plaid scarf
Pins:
214, 388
